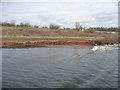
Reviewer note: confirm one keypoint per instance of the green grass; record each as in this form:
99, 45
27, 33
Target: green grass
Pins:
41, 38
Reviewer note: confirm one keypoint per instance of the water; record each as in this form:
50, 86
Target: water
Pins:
60, 67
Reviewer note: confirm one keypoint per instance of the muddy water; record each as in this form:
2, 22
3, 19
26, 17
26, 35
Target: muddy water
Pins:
60, 67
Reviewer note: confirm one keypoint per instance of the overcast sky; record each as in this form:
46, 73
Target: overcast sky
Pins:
89, 14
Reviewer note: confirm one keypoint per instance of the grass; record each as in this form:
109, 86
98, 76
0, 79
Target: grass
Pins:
43, 38
22, 33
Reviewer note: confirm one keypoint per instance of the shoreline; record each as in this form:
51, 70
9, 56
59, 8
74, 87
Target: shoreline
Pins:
42, 43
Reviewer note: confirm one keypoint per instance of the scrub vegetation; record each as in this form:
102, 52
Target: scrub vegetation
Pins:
26, 32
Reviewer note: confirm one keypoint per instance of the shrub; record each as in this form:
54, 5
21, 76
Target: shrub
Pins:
89, 31
36, 26
54, 26
110, 39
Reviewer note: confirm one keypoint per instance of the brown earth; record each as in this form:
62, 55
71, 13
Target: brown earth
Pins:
41, 43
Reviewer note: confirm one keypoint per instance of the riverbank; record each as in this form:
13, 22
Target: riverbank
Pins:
21, 37
42, 43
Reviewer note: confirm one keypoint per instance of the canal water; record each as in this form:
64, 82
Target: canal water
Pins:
60, 67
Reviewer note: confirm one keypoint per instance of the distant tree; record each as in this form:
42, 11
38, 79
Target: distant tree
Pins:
4, 23
84, 28
90, 30
0, 23
67, 28
27, 24
8, 24
54, 26
21, 24
36, 26
12, 23
46, 27
17, 25
78, 26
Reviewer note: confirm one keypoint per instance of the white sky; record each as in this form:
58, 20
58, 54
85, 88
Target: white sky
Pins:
103, 13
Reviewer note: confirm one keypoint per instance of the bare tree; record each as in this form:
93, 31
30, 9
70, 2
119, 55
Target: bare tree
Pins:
78, 26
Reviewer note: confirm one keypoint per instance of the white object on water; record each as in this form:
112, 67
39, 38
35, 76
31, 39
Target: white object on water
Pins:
106, 47
94, 48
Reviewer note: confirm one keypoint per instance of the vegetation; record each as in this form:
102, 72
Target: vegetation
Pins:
89, 31
26, 32
54, 26
44, 38
112, 29
78, 26
36, 26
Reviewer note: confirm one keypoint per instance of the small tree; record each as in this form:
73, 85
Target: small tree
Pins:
43, 27
46, 27
17, 25
27, 24
22, 24
78, 26
12, 23
4, 23
36, 26
54, 26
0, 23
89, 31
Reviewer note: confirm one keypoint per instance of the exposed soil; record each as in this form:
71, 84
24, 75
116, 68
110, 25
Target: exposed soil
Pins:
42, 43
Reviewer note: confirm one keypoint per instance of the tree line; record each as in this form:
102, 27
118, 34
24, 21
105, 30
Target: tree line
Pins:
105, 29
13, 23
55, 26
26, 24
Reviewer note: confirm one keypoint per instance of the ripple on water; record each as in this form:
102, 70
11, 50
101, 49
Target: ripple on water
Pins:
66, 67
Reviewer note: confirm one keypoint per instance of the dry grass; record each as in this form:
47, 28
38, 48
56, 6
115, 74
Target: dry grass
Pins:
19, 33
109, 39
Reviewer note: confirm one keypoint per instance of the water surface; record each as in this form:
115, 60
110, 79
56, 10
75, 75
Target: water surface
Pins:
60, 67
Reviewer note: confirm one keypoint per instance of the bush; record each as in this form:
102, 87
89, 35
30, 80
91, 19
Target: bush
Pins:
54, 26
110, 39
36, 26
89, 31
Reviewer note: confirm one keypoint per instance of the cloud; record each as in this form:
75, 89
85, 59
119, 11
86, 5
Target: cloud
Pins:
59, 0
104, 16
63, 13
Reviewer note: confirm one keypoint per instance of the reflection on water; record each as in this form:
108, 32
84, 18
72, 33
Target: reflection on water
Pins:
60, 66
